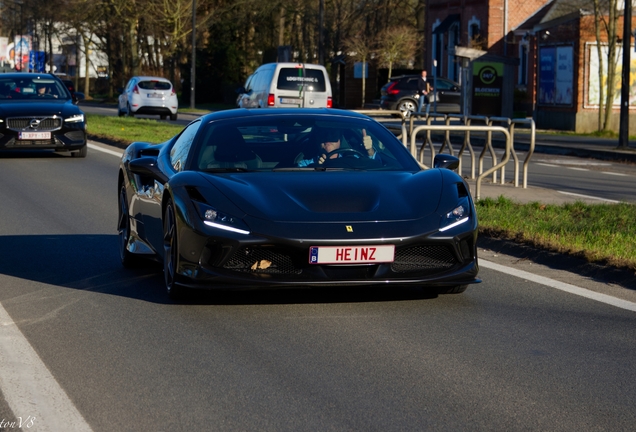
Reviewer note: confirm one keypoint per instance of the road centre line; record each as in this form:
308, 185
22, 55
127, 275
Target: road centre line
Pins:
572, 289
29, 388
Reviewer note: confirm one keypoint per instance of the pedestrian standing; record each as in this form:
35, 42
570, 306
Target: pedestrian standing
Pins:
423, 89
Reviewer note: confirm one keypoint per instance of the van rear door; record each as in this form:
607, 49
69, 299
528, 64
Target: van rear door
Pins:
302, 87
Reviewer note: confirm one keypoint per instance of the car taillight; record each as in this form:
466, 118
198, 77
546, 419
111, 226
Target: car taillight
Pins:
391, 90
271, 100
329, 103
136, 89
172, 93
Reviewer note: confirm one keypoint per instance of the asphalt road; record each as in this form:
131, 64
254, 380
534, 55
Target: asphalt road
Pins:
88, 345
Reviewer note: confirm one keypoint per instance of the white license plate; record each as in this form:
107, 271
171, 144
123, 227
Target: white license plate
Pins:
292, 101
351, 254
34, 135
155, 95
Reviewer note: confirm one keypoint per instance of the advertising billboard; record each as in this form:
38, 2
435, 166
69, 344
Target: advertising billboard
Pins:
487, 88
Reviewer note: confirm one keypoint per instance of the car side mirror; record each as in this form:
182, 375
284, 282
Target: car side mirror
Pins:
446, 161
77, 97
146, 166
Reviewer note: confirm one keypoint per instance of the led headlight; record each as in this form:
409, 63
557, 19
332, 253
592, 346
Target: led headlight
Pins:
76, 118
216, 219
457, 216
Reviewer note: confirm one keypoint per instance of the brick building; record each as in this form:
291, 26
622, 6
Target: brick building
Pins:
554, 45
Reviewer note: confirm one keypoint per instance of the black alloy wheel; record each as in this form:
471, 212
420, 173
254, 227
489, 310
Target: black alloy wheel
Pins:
171, 253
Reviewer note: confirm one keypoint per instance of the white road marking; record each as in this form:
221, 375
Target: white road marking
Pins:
548, 165
578, 169
589, 197
29, 387
572, 289
573, 162
614, 173
104, 150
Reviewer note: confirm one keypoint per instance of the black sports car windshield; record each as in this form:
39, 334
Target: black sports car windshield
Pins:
298, 143
33, 88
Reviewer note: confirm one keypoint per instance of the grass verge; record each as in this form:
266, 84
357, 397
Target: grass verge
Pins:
124, 130
601, 233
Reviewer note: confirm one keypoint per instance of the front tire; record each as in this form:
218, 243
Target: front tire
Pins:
171, 253
81, 153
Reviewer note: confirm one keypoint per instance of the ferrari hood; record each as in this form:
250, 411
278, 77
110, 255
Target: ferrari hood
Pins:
332, 196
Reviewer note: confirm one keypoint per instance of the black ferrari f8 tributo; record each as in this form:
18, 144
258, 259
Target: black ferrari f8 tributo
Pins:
243, 199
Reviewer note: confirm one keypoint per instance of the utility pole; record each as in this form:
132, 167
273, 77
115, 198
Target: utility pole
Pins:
194, 52
321, 32
623, 133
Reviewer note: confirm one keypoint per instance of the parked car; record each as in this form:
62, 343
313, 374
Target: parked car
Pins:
149, 95
400, 93
38, 112
286, 85
235, 206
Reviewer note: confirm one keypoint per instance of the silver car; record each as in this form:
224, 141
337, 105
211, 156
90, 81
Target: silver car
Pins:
149, 95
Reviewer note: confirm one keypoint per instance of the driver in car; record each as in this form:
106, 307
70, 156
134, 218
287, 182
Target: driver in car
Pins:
329, 140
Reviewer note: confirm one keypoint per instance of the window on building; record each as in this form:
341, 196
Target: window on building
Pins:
474, 34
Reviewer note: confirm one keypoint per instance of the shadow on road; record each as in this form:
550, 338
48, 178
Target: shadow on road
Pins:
91, 263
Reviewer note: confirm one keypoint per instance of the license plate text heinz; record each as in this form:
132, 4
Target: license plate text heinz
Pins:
351, 254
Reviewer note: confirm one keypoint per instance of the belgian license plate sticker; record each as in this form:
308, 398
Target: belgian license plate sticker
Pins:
34, 135
291, 101
351, 254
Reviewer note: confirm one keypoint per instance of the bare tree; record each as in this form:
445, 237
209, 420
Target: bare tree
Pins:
360, 47
395, 45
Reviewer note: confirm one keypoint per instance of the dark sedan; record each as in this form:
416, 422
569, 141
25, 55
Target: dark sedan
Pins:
294, 198
38, 112
400, 93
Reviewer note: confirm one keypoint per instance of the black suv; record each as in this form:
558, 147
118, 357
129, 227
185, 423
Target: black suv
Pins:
400, 93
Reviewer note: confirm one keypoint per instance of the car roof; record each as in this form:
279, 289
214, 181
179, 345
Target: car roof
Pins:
151, 78
262, 113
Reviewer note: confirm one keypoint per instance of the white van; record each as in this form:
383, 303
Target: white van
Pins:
286, 85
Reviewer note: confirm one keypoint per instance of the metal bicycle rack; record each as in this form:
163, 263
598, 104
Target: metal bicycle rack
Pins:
464, 128
466, 125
